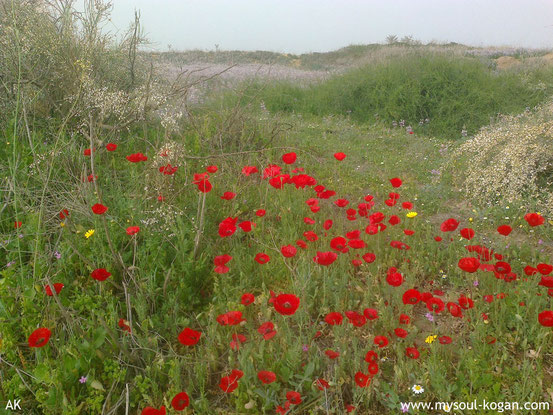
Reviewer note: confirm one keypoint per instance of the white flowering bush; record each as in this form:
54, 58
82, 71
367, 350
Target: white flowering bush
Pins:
510, 160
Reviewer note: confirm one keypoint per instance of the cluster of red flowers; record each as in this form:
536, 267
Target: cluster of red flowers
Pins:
330, 245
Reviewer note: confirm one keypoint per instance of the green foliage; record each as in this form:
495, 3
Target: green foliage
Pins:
452, 92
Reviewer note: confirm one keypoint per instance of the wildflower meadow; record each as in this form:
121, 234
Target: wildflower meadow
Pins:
235, 256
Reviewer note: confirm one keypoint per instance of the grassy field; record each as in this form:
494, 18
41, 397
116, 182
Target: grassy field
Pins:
274, 248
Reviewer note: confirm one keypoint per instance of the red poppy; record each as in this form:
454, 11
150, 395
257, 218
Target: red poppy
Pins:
123, 325
395, 279
262, 258
369, 257
220, 262
180, 401
189, 337
332, 354
168, 170
266, 376
465, 302
111, 147
411, 296
339, 244
293, 397
247, 299
467, 233
469, 264
286, 304
334, 318
228, 383
230, 318
444, 340
435, 304
57, 288
350, 408
39, 337
289, 158
260, 212
99, 209
246, 225
396, 182
534, 219
202, 182
227, 227
322, 384
399, 332
404, 319
362, 380
288, 251
544, 269
356, 243
407, 205
212, 169
64, 213
153, 411
327, 224
371, 356
381, 341
267, 330
237, 339
100, 274
339, 156
133, 230
358, 320
373, 368
545, 318
228, 196
137, 157
412, 352
504, 230
249, 170
370, 313
325, 258
87, 152
449, 225
455, 310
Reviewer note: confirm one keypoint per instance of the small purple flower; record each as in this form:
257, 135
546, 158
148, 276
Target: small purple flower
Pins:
82, 379
9, 264
57, 255
540, 242
435, 172
429, 316
475, 283
305, 347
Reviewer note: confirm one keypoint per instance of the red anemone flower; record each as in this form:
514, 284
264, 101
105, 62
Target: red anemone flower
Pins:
100, 274
57, 288
449, 225
289, 158
133, 230
137, 157
339, 156
220, 263
504, 230
189, 337
412, 352
286, 304
325, 258
469, 264
266, 376
247, 299
396, 182
111, 147
99, 209
534, 219
39, 337
362, 380
545, 318
262, 258
153, 411
180, 401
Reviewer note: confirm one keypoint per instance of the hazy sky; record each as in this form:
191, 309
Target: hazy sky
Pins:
298, 26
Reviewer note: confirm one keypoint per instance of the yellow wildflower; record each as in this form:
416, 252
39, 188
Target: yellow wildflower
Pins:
89, 233
412, 214
431, 338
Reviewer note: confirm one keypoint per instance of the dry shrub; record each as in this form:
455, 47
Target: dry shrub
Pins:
510, 161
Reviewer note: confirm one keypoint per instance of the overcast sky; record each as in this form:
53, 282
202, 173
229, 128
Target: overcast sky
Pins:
298, 26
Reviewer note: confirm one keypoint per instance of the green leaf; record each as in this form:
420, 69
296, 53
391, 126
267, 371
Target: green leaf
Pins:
97, 385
